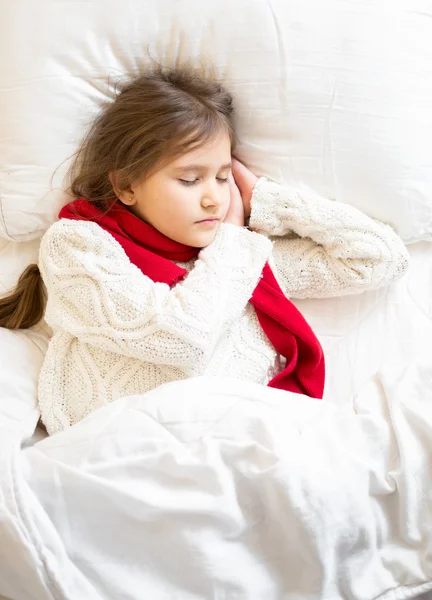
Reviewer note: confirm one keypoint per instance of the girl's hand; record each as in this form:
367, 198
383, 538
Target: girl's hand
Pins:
245, 181
235, 214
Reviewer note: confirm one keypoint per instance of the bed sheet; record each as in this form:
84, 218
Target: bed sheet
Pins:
360, 333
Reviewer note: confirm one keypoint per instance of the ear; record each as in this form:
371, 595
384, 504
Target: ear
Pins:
125, 196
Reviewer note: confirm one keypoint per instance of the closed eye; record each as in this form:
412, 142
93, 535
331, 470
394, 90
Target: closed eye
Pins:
189, 182
195, 181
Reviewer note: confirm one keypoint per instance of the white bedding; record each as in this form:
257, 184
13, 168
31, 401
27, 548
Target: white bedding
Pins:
333, 94
217, 488
202, 490
199, 481
359, 333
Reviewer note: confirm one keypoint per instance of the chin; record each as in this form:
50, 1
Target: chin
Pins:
195, 237
208, 239
202, 240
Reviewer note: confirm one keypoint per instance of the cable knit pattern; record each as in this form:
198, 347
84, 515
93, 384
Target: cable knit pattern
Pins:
329, 248
116, 332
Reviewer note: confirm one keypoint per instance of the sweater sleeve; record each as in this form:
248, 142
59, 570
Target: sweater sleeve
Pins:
98, 296
328, 248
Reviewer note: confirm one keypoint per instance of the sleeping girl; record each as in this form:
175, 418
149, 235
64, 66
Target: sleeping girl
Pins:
174, 260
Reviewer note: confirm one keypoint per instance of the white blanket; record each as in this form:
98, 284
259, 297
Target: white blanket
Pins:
222, 489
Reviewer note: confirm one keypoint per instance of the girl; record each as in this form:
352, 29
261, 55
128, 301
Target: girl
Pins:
176, 261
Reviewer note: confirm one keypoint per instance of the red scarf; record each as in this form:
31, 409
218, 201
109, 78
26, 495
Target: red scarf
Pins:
284, 325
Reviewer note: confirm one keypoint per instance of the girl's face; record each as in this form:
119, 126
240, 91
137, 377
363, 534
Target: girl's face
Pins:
188, 199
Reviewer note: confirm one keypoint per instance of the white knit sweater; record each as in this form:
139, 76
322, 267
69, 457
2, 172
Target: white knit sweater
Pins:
116, 332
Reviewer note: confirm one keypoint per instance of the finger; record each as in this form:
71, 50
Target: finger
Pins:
235, 161
233, 185
236, 167
241, 175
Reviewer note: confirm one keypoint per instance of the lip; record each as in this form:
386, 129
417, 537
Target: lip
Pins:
211, 220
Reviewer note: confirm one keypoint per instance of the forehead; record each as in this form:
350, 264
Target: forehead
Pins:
212, 154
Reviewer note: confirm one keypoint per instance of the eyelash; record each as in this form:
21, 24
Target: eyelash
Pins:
195, 181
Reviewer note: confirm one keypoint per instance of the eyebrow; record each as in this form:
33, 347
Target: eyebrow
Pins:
201, 167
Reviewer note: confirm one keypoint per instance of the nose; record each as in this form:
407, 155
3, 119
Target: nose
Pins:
212, 195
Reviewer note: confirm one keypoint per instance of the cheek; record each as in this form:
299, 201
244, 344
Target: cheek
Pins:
227, 194
181, 201
163, 202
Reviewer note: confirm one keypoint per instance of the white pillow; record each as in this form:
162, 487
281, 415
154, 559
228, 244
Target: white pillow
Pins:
14, 258
21, 357
333, 95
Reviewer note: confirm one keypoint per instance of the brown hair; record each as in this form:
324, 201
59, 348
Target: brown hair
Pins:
153, 119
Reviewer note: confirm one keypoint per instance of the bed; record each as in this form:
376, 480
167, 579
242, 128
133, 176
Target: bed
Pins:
334, 96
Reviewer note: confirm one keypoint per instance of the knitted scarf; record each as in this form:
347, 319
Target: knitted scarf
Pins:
154, 254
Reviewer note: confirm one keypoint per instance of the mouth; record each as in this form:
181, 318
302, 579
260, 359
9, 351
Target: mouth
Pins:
209, 221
